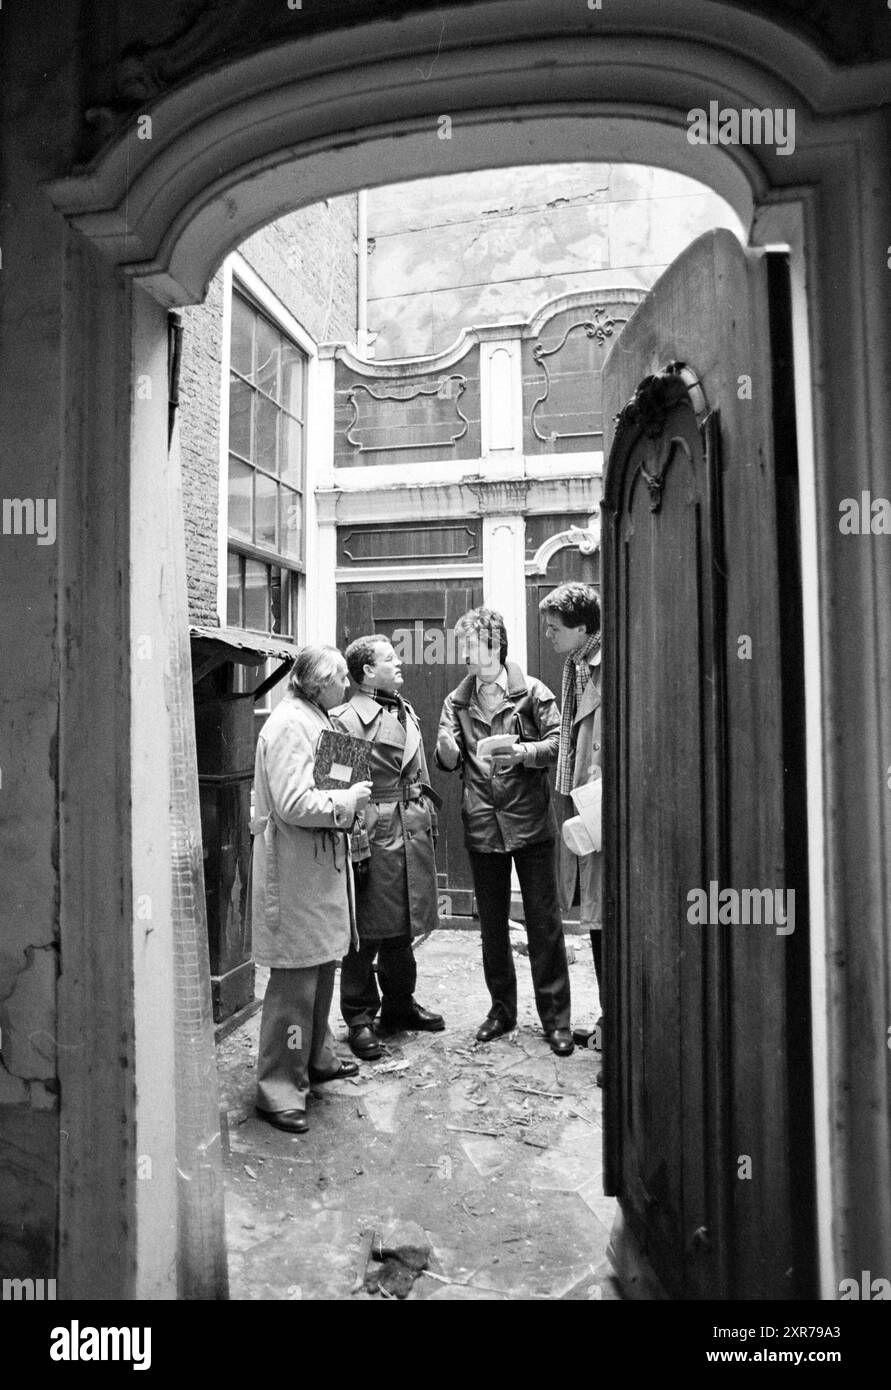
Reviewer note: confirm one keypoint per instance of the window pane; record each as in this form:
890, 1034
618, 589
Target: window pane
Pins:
241, 348
293, 367
291, 504
291, 452
275, 598
233, 591
266, 505
256, 593
240, 416
240, 478
268, 358
289, 603
264, 440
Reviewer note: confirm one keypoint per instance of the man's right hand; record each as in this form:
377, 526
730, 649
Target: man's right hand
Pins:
447, 749
358, 797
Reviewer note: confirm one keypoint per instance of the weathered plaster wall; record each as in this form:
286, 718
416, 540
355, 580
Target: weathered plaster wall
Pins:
475, 248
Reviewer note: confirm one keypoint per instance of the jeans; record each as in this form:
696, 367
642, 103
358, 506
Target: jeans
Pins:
536, 870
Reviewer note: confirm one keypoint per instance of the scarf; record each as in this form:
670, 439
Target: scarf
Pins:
387, 701
576, 675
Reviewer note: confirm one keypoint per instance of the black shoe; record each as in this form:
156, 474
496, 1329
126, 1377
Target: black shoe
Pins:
412, 1019
364, 1042
493, 1028
291, 1121
561, 1041
589, 1037
339, 1073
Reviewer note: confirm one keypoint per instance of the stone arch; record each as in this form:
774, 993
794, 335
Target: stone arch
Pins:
307, 119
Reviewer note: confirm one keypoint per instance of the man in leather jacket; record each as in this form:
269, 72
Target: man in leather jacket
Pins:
508, 816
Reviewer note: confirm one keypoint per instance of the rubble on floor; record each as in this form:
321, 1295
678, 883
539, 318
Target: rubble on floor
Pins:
447, 1170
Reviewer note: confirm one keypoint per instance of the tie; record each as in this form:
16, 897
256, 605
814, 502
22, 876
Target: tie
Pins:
490, 695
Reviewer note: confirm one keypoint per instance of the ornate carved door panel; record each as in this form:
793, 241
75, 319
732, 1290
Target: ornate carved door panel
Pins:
707, 1026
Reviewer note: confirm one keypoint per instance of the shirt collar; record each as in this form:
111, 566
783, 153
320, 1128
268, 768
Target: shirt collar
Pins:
500, 680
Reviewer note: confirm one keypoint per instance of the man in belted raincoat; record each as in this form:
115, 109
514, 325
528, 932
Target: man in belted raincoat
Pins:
396, 889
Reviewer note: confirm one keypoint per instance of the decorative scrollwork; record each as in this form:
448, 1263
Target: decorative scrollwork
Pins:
438, 389
600, 327
649, 407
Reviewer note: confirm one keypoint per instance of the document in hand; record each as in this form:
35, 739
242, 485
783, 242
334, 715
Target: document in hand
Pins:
340, 761
494, 743
583, 833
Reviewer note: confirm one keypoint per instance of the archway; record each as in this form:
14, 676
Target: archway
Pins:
244, 143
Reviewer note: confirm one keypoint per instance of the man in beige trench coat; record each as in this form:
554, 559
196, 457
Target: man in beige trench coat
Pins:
302, 908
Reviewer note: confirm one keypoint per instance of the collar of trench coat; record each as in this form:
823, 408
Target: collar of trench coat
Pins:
369, 710
590, 699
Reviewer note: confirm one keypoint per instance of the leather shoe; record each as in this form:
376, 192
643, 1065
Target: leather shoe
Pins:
413, 1019
291, 1121
493, 1028
364, 1042
339, 1073
561, 1041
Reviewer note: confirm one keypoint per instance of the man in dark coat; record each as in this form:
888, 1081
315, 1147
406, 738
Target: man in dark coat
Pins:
508, 816
396, 894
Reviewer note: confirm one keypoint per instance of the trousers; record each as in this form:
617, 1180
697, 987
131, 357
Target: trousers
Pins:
294, 1035
397, 975
536, 870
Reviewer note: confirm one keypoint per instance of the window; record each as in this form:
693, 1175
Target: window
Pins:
267, 429
261, 597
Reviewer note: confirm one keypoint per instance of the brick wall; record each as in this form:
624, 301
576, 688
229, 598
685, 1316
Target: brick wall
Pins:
308, 260
200, 444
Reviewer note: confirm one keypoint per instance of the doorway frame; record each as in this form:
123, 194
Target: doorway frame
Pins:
305, 120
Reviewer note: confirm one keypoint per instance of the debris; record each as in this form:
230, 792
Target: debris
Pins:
250, 1172
391, 1066
362, 1262
580, 1116
486, 1133
406, 1242
548, 1095
535, 1143
392, 1279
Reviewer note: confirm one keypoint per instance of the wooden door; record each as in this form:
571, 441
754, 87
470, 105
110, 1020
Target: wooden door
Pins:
430, 670
708, 1139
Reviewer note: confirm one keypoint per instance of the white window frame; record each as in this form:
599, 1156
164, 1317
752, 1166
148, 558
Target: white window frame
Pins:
239, 275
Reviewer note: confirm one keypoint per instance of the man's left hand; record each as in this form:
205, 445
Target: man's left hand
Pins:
507, 758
